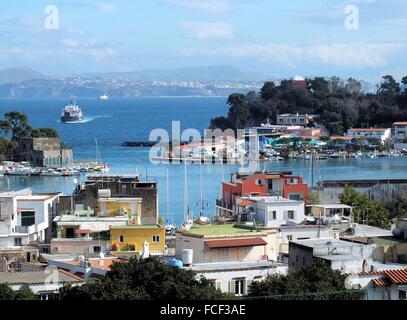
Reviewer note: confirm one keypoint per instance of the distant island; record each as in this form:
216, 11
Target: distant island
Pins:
193, 81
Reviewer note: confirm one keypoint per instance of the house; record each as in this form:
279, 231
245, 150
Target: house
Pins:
328, 213
236, 277
226, 243
399, 135
25, 223
381, 134
282, 184
345, 256
44, 284
87, 231
44, 152
270, 211
85, 268
130, 240
299, 82
303, 120
96, 187
385, 284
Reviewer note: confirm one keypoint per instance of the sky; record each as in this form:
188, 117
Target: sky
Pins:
276, 38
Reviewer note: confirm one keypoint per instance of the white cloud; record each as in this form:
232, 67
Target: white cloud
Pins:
69, 42
103, 53
107, 7
353, 55
213, 6
75, 31
208, 30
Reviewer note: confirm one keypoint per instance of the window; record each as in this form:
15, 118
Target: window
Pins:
18, 242
239, 287
274, 215
156, 239
121, 239
290, 214
97, 249
258, 182
402, 295
290, 238
27, 218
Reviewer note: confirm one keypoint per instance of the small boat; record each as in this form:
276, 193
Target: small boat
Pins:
50, 173
19, 171
104, 97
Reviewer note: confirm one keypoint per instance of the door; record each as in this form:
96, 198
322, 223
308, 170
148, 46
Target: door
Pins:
70, 233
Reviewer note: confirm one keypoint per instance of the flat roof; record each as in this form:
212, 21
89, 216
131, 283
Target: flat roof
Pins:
324, 242
229, 229
142, 226
331, 206
273, 199
235, 266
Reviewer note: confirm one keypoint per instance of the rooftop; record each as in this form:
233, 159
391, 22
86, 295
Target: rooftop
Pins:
36, 277
324, 242
228, 229
135, 226
235, 266
273, 199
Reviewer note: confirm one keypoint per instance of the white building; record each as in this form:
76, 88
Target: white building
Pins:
44, 284
26, 217
384, 284
399, 135
297, 119
345, 256
271, 211
382, 134
236, 277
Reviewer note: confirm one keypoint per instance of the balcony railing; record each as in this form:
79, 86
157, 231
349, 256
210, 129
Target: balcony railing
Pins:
224, 205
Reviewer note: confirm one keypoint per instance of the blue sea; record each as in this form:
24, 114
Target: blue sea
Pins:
113, 121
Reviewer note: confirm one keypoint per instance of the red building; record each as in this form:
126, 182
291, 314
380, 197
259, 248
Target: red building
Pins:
260, 184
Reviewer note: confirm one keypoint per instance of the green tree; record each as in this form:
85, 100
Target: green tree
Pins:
315, 281
389, 85
144, 279
6, 293
18, 122
267, 91
44, 133
365, 210
5, 127
25, 293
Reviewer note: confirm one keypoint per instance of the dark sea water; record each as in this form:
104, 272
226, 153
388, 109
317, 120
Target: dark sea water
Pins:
113, 121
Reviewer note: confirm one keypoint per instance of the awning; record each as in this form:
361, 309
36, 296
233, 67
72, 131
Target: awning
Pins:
82, 231
244, 203
213, 244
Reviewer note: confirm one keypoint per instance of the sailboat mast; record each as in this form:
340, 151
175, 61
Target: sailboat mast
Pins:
201, 187
186, 209
168, 197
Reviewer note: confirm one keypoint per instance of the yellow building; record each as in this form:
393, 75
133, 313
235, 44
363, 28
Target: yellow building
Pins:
130, 239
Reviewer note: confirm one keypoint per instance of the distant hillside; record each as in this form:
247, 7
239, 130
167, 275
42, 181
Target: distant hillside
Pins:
14, 75
205, 74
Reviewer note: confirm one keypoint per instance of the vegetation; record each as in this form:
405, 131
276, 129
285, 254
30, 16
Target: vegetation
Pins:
144, 279
25, 293
313, 282
340, 104
14, 126
397, 206
365, 210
